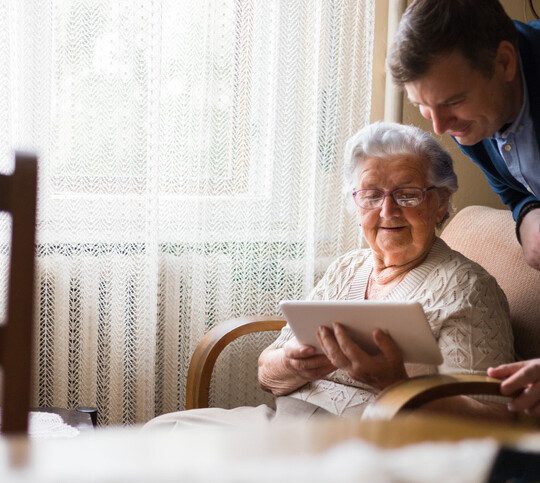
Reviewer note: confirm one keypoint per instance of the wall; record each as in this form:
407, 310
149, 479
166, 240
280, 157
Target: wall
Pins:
473, 188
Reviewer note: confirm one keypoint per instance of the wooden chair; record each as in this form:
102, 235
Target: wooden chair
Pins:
483, 234
210, 347
18, 197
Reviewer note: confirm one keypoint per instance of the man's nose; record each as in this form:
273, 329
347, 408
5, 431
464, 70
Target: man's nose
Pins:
438, 118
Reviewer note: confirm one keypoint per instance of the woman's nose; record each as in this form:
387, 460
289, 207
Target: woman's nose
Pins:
389, 207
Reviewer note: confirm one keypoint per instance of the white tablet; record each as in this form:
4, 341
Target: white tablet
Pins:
406, 323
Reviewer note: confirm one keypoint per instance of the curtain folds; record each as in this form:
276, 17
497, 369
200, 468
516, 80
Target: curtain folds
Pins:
190, 171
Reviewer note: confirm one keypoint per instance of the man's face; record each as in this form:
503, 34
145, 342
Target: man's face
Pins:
463, 101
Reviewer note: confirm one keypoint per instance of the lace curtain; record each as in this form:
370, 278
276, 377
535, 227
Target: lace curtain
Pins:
190, 172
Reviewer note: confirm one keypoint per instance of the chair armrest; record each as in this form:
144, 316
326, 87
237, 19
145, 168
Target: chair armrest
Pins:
414, 392
208, 349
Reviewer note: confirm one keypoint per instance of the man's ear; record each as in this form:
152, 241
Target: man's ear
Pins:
506, 60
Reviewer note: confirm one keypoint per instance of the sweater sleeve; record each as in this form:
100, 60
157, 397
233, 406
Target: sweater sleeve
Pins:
476, 332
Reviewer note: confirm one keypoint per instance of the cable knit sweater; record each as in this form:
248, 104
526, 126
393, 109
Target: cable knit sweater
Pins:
466, 310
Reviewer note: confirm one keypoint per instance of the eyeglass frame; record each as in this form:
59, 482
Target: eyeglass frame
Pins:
391, 194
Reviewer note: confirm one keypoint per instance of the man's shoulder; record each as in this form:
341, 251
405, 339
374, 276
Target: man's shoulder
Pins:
529, 28
529, 38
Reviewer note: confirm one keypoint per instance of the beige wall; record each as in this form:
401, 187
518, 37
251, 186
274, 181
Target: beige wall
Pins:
473, 188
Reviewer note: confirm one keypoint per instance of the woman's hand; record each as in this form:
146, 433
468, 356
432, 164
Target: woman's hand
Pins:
303, 361
378, 371
283, 370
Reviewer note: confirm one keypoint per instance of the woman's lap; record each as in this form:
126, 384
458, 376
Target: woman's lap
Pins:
286, 408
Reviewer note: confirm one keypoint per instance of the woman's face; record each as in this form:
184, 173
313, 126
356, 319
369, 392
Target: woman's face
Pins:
399, 235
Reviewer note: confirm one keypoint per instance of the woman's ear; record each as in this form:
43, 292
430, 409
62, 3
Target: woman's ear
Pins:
444, 205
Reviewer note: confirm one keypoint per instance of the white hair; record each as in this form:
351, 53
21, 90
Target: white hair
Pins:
389, 139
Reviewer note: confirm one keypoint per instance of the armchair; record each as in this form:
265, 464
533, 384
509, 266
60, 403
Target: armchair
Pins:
486, 236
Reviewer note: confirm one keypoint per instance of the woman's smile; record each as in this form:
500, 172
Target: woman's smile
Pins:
392, 228
398, 230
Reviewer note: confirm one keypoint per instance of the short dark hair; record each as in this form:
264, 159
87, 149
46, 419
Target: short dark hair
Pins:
432, 28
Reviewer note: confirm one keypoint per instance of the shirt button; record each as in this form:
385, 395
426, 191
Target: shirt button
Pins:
507, 147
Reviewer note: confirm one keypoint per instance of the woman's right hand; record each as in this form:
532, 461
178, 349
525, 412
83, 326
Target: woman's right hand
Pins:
305, 362
283, 370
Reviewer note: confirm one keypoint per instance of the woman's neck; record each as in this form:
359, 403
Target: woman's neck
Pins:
384, 274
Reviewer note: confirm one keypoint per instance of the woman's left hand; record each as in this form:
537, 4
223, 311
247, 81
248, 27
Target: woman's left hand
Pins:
380, 370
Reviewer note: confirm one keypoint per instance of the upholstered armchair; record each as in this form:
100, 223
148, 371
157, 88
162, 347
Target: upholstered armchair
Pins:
486, 236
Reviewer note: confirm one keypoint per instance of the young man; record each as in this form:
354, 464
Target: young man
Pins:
475, 74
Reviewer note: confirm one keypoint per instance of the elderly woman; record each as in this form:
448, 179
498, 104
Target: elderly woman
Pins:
401, 181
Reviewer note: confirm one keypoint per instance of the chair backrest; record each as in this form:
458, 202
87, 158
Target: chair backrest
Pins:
487, 236
18, 197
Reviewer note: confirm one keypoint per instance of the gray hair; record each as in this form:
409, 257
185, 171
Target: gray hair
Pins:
388, 139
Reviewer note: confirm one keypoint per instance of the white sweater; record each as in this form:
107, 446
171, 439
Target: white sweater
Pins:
466, 310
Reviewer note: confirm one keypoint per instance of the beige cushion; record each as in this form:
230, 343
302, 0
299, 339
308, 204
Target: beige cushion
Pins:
487, 236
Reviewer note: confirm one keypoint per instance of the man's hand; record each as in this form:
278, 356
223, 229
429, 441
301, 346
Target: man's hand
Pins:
529, 232
303, 361
378, 371
522, 378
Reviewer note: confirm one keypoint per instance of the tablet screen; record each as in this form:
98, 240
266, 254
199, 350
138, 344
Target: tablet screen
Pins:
406, 323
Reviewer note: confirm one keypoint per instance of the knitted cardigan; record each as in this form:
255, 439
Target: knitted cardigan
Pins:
466, 310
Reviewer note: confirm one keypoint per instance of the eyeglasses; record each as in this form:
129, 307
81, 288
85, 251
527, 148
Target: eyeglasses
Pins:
404, 197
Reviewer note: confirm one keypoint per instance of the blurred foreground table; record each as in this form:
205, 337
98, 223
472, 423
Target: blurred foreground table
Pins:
410, 448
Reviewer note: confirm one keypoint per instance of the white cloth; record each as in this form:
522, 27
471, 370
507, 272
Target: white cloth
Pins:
43, 425
466, 310
190, 153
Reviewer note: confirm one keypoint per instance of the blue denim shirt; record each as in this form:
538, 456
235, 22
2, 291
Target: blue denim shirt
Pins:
486, 154
519, 149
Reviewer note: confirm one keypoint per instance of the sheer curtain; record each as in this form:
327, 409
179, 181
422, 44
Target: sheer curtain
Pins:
190, 171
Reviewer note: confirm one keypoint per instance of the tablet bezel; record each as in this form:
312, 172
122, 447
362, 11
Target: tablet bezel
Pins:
405, 322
